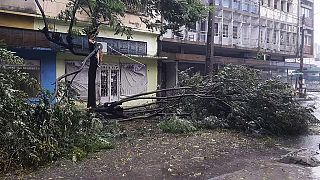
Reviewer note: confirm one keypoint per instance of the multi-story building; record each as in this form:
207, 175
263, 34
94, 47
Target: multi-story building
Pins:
317, 52
118, 75
307, 9
242, 29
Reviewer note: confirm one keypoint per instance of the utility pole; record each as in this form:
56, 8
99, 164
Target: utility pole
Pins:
298, 32
301, 58
259, 34
210, 41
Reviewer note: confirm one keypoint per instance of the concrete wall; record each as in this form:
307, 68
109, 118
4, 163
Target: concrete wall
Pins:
27, 6
53, 8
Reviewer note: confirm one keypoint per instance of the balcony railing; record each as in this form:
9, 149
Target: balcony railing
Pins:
21, 38
135, 6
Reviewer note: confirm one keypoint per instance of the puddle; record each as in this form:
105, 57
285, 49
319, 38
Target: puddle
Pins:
316, 173
313, 141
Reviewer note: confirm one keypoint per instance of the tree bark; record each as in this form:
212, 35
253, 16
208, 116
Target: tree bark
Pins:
210, 42
92, 78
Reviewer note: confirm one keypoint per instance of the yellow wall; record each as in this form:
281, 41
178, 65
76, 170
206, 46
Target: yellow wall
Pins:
138, 35
16, 21
152, 66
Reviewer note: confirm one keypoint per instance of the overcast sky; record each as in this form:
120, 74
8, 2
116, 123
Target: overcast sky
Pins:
317, 21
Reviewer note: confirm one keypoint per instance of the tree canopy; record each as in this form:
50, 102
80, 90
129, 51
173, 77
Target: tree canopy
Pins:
156, 14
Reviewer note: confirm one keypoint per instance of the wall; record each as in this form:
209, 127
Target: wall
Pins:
152, 73
53, 8
278, 15
27, 6
47, 65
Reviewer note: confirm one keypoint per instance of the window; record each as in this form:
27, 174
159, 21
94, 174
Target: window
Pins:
245, 32
281, 38
288, 39
275, 37
216, 29
246, 5
193, 26
306, 12
294, 39
235, 32
308, 40
236, 4
268, 36
225, 31
269, 3
275, 5
282, 5
288, 7
226, 3
133, 79
203, 25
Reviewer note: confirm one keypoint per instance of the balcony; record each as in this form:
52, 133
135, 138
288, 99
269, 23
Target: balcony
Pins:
134, 7
30, 39
308, 50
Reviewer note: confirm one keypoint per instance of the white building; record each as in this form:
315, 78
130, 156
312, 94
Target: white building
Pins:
238, 22
242, 28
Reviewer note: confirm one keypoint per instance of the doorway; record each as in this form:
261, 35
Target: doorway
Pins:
110, 83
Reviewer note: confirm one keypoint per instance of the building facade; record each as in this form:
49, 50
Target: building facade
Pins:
129, 65
243, 29
317, 52
307, 9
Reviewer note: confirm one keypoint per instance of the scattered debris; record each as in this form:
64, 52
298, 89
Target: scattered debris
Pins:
302, 157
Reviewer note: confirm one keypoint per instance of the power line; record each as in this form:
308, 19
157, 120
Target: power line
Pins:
125, 56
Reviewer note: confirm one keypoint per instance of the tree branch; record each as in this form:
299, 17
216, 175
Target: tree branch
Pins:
75, 73
85, 11
46, 32
151, 92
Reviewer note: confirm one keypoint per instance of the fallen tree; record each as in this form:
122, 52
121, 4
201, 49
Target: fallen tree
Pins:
234, 98
244, 101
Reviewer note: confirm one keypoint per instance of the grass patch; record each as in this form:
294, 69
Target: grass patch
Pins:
177, 126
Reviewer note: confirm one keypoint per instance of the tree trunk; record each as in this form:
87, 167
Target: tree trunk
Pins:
92, 78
